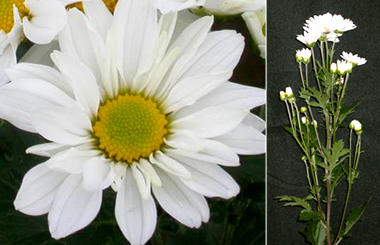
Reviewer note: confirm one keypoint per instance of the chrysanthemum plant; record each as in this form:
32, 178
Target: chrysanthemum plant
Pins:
328, 160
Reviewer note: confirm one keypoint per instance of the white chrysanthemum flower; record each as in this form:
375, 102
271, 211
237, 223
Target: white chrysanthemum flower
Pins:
255, 22
303, 55
329, 26
309, 38
356, 125
344, 67
132, 109
354, 59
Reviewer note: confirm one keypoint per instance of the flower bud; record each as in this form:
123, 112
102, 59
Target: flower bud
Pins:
303, 158
333, 68
303, 55
305, 120
282, 95
289, 92
303, 109
357, 126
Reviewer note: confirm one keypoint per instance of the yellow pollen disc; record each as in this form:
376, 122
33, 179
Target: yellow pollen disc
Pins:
129, 128
109, 3
6, 13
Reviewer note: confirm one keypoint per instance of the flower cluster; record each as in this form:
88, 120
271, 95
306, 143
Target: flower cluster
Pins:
325, 27
130, 104
303, 55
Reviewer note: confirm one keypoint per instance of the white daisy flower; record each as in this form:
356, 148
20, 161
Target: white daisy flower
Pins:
255, 22
354, 59
303, 55
309, 38
330, 26
344, 67
132, 109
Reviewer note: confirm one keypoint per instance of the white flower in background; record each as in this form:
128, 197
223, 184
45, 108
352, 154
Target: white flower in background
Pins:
166, 6
344, 67
256, 25
329, 26
354, 59
37, 20
309, 38
333, 68
305, 120
213, 7
289, 92
303, 55
131, 109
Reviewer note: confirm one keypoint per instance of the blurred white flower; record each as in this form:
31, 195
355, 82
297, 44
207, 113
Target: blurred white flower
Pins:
303, 55
131, 109
255, 22
309, 38
344, 67
354, 59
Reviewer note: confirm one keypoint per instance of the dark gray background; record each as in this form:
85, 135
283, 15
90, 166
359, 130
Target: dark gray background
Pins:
285, 171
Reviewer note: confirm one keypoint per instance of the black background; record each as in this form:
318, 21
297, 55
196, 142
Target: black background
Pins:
285, 171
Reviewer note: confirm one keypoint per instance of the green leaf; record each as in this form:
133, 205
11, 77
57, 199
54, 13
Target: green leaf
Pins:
336, 155
306, 215
347, 110
315, 233
294, 201
352, 218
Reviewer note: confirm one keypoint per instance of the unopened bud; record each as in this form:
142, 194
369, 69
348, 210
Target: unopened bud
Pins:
303, 109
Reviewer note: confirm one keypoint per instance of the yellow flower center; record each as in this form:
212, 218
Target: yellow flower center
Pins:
109, 3
129, 127
6, 13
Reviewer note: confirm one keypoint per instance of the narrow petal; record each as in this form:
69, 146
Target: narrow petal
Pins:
185, 140
7, 59
142, 184
97, 174
136, 31
209, 179
244, 140
68, 125
70, 161
169, 165
190, 89
23, 71
40, 54
166, 6
210, 122
83, 42
19, 100
46, 149
73, 208
99, 16
81, 80
38, 189
135, 216
183, 204
146, 168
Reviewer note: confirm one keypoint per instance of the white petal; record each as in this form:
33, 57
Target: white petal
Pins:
48, 19
183, 204
7, 59
80, 40
81, 80
185, 140
170, 165
40, 54
19, 100
146, 168
213, 152
209, 179
244, 140
188, 90
46, 149
38, 189
67, 125
220, 51
135, 30
23, 71
70, 161
97, 174
254, 121
210, 122
99, 16
73, 208
143, 184
135, 216
166, 6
